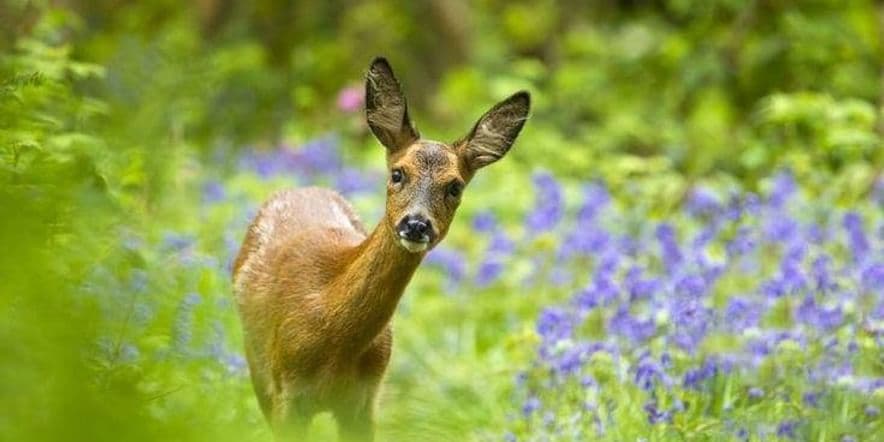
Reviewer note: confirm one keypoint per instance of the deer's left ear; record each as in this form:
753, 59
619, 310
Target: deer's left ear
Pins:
385, 107
494, 133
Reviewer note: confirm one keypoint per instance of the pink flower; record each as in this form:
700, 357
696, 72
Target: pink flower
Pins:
350, 99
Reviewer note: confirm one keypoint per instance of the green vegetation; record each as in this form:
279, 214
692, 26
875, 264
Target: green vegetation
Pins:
137, 140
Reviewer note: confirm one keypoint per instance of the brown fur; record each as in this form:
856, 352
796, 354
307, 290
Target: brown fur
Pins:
316, 292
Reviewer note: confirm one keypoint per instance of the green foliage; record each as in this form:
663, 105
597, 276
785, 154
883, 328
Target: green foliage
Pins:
114, 286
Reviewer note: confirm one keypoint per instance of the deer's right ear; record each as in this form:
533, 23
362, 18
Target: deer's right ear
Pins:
494, 133
386, 109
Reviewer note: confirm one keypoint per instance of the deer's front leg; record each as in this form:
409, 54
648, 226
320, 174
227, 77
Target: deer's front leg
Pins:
291, 416
356, 424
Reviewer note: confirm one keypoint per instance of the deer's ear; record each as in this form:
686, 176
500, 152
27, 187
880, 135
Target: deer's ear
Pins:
385, 107
494, 133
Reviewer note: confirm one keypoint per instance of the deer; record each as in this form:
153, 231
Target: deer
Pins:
316, 292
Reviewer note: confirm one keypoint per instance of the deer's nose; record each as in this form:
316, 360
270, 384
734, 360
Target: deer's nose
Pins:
415, 228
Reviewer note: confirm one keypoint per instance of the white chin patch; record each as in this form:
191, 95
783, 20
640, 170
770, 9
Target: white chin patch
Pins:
412, 246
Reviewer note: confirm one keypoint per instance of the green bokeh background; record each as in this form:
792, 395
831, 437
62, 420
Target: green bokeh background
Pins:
112, 113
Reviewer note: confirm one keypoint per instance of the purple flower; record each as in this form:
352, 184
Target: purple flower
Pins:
821, 274
856, 236
741, 314
213, 192
703, 202
182, 329
639, 287
485, 222
694, 377
811, 398
595, 198
530, 406
873, 277
656, 416
554, 324
489, 271
548, 206
177, 241
351, 181
625, 325
449, 260
756, 393
741, 244
787, 429
670, 251
491, 266
648, 373
350, 99
784, 187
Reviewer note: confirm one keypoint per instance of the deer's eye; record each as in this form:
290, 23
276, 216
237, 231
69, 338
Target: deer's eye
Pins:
454, 189
396, 176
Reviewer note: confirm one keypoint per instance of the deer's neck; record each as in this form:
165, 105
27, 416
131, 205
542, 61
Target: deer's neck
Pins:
371, 286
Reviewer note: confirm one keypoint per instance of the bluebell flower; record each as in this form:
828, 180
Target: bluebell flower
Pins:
741, 314
693, 378
531, 405
595, 198
549, 205
177, 241
872, 411
691, 285
648, 373
811, 398
741, 244
856, 236
670, 251
485, 222
655, 415
182, 329
780, 228
784, 187
821, 274
625, 325
489, 271
449, 260
872, 276
213, 192
350, 181
320, 155
878, 192
702, 202
491, 267
787, 428
554, 324
755, 393
639, 287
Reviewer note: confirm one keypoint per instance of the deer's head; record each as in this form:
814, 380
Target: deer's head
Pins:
427, 178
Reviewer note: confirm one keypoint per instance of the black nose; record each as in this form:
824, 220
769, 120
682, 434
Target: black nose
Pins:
415, 228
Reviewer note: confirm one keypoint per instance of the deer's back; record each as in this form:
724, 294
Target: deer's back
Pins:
295, 245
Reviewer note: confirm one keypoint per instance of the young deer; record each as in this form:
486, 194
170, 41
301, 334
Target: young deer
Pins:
316, 292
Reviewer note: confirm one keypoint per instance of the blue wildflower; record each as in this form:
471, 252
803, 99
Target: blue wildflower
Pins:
787, 428
655, 415
530, 406
702, 202
449, 260
670, 251
350, 181
784, 187
856, 236
485, 222
213, 192
548, 207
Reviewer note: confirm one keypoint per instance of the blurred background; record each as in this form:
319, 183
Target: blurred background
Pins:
137, 138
